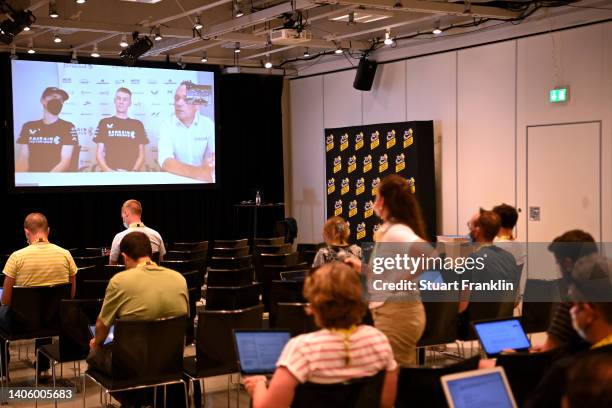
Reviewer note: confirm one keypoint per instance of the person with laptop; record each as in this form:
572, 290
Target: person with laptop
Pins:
41, 263
342, 350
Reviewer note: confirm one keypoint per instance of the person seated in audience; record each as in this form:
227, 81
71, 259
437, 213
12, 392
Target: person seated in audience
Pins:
588, 382
572, 249
41, 263
505, 239
335, 234
591, 317
131, 214
342, 350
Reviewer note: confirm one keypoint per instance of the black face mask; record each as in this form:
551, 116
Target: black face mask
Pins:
54, 106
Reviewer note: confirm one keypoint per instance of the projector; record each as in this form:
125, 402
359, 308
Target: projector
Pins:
290, 36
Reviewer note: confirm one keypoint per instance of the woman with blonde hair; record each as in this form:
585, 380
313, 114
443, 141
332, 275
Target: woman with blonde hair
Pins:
342, 350
335, 234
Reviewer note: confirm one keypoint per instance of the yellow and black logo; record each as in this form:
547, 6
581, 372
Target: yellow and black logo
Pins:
329, 143
352, 164
344, 187
400, 162
331, 185
352, 208
376, 228
375, 184
408, 138
358, 141
338, 207
374, 140
360, 186
344, 142
383, 163
337, 164
411, 184
361, 230
390, 139
368, 209
367, 163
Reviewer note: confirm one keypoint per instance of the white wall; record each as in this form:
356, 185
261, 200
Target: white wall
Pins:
481, 100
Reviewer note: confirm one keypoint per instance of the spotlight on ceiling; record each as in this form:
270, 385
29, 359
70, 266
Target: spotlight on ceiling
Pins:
198, 23
388, 39
437, 30
237, 48
139, 47
268, 63
94, 52
237, 10
57, 39
31, 49
204, 57
158, 36
53, 9
306, 53
123, 43
339, 49
80, 1
16, 22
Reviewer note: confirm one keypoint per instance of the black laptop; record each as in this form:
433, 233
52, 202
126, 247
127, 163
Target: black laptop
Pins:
259, 350
497, 335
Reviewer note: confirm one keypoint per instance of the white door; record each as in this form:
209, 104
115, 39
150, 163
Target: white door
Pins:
563, 188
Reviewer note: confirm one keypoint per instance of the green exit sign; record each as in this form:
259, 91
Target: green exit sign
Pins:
558, 95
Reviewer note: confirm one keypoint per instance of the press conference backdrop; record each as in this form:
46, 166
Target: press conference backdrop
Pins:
91, 90
359, 157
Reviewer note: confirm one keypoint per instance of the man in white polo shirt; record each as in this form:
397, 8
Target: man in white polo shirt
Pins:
187, 141
131, 213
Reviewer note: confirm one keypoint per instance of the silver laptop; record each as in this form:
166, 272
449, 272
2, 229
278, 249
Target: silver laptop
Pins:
487, 388
258, 350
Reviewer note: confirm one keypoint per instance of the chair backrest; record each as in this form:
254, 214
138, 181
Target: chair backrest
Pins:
282, 291
525, 370
193, 279
92, 289
229, 277
97, 260
272, 249
74, 335
268, 241
185, 255
185, 265
420, 386
298, 276
230, 243
112, 270
232, 297
358, 393
86, 272
536, 316
231, 252
35, 309
441, 310
279, 259
268, 273
292, 316
142, 356
214, 337
189, 246
231, 263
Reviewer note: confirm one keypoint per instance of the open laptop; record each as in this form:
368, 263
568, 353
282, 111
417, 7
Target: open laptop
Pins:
109, 338
259, 350
478, 389
499, 334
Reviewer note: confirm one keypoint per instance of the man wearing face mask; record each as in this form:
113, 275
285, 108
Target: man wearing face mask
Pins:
46, 145
131, 213
591, 318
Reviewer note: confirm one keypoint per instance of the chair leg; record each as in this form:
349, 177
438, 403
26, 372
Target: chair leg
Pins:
186, 396
228, 390
155, 397
54, 380
36, 375
164, 395
84, 390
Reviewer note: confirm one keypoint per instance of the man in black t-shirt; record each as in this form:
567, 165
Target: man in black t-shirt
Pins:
121, 139
47, 144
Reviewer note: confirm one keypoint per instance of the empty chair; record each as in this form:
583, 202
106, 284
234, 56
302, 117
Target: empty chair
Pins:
92, 289
279, 259
86, 272
299, 275
268, 273
142, 357
185, 255
268, 241
231, 243
537, 315
283, 291
293, 317
112, 270
231, 252
232, 297
441, 319
186, 265
189, 246
272, 249
97, 260
229, 277
358, 393
420, 386
230, 263
87, 252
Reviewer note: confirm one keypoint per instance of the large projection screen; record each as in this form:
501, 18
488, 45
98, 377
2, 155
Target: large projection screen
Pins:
105, 125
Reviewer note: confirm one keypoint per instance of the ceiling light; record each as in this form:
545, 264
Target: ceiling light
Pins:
53, 9
398, 4
198, 24
437, 30
139, 47
57, 39
26, 29
204, 57
31, 49
237, 48
74, 59
13, 53
123, 43
339, 50
16, 22
80, 1
158, 36
268, 63
306, 53
94, 52
388, 39
237, 10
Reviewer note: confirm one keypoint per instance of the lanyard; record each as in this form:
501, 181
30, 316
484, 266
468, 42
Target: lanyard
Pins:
606, 341
346, 334
146, 263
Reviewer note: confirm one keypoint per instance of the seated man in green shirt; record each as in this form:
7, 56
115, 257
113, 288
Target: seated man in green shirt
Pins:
144, 291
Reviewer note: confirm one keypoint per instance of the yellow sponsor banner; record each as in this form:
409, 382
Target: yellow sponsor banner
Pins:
338, 211
367, 163
368, 209
375, 140
412, 185
383, 163
390, 139
360, 190
360, 186
374, 191
344, 190
383, 167
359, 141
329, 143
408, 138
331, 189
352, 164
337, 164
367, 167
361, 233
344, 142
338, 207
368, 213
399, 167
374, 144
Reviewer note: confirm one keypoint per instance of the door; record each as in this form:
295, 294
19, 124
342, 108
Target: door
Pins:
563, 188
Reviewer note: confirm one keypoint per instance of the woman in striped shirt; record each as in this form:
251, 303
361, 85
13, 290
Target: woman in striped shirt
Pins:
342, 350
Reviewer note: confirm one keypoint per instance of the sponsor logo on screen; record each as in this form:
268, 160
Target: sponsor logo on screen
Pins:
337, 164
408, 138
361, 230
352, 208
358, 141
352, 164
360, 186
383, 163
374, 140
390, 139
331, 185
338, 207
344, 187
344, 142
329, 143
400, 162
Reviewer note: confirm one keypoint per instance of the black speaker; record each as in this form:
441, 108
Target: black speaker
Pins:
365, 74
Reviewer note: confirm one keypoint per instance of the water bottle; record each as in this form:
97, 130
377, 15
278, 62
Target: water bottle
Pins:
257, 198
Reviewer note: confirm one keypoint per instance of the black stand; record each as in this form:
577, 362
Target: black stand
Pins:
260, 220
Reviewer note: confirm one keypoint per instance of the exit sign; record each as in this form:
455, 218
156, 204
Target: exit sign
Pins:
558, 95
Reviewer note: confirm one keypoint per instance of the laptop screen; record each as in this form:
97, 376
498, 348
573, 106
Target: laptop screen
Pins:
499, 335
258, 350
479, 391
109, 338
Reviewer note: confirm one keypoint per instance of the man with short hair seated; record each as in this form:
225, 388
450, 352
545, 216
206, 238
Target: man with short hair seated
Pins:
41, 263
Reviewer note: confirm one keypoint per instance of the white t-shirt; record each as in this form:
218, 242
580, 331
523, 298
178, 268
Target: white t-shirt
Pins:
190, 145
321, 357
157, 243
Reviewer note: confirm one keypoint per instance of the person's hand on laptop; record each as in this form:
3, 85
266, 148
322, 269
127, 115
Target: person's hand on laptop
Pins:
486, 363
92, 343
253, 381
